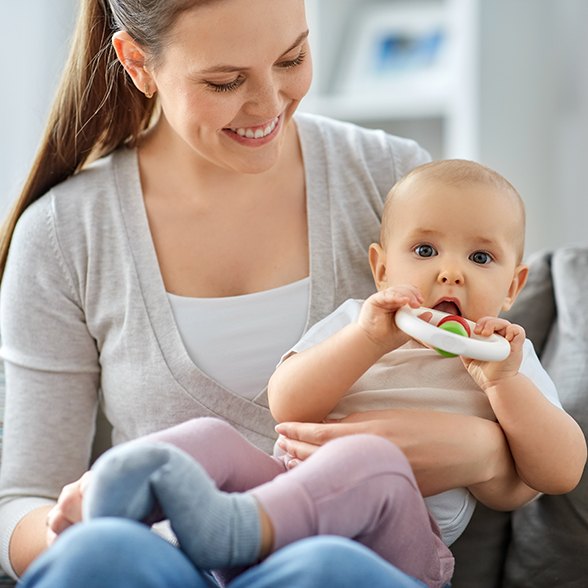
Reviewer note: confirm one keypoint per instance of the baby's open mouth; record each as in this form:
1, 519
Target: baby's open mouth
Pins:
449, 307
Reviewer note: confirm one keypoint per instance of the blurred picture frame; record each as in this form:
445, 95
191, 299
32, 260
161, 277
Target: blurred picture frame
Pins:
396, 43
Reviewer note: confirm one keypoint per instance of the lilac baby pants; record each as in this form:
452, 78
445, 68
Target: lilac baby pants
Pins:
359, 486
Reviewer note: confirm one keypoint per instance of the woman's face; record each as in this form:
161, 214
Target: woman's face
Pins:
230, 79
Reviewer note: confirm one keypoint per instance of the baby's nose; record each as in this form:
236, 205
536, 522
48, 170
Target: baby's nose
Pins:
451, 276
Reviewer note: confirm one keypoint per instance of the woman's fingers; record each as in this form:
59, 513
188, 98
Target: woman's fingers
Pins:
68, 509
311, 433
297, 450
301, 440
57, 522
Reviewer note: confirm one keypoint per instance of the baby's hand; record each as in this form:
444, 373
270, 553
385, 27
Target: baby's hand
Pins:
377, 314
487, 373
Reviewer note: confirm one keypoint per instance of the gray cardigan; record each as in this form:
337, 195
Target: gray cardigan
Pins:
85, 317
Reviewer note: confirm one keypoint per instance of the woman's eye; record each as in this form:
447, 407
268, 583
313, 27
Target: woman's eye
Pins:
228, 87
299, 59
425, 251
481, 257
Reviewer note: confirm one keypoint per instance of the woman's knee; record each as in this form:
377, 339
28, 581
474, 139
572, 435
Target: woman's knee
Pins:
112, 552
337, 561
333, 561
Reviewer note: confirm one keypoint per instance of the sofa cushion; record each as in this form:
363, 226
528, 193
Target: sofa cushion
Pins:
549, 545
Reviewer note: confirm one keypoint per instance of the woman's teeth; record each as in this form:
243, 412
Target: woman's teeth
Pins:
258, 133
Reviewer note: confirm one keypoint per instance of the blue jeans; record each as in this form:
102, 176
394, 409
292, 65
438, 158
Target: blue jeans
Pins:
124, 554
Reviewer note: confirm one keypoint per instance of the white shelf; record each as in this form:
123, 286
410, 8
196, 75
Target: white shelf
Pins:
377, 107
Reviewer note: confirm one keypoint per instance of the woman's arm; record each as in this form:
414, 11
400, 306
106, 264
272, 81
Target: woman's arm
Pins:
52, 380
41, 527
445, 450
29, 539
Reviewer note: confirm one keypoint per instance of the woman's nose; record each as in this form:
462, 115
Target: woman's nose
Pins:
264, 99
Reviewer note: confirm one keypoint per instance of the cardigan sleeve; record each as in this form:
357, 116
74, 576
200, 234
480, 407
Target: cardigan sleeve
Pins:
52, 373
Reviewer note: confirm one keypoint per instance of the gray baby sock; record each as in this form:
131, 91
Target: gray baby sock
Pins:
215, 529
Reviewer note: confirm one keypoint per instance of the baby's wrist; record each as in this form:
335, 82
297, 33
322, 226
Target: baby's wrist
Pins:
372, 341
500, 383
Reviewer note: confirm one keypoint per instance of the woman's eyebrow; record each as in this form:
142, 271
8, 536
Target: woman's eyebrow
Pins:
298, 41
223, 68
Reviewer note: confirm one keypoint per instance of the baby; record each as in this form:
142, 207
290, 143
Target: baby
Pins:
452, 239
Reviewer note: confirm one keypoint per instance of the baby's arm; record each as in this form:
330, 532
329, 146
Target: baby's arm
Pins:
308, 385
547, 445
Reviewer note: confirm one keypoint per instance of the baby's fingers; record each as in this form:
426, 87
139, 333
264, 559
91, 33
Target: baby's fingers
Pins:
514, 334
397, 296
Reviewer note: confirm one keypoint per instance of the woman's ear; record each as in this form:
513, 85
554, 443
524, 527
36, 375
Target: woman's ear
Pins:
519, 279
378, 264
133, 58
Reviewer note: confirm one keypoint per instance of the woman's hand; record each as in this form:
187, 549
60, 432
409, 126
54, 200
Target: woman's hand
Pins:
68, 509
445, 450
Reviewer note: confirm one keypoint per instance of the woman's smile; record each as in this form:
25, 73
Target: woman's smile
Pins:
255, 136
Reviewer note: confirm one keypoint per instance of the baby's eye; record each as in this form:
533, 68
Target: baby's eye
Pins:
425, 251
481, 257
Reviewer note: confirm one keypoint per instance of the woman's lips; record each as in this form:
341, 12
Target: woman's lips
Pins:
256, 135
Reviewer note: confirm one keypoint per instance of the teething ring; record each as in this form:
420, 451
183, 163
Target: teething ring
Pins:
493, 348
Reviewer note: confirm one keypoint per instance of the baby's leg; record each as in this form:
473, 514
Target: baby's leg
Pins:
214, 528
231, 461
361, 487
153, 478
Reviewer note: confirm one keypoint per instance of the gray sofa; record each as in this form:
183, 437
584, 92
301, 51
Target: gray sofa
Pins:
544, 544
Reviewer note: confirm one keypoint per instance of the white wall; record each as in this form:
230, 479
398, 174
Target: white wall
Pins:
534, 110
572, 124
33, 47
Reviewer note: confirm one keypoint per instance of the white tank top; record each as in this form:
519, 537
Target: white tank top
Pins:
238, 340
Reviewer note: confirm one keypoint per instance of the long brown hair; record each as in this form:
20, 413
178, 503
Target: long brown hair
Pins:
96, 108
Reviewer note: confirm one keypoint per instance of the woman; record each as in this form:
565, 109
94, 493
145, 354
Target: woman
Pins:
208, 200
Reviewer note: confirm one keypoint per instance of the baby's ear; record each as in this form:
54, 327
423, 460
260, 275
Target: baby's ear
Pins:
519, 279
378, 264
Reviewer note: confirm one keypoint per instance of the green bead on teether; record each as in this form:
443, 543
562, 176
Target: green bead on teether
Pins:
453, 324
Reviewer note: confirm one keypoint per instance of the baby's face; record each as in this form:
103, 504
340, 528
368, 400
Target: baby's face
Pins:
459, 244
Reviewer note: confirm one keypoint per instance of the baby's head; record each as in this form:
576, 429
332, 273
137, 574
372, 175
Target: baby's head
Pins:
455, 229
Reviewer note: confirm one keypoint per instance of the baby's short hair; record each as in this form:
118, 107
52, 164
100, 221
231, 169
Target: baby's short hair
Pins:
457, 172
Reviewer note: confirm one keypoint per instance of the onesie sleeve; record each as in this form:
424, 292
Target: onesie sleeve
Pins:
532, 368
342, 316
52, 373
